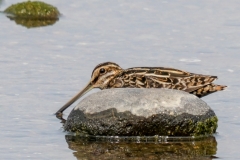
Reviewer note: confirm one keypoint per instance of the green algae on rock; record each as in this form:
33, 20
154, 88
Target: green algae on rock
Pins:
207, 126
33, 10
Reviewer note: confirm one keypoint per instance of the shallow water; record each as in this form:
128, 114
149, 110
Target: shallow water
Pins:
42, 68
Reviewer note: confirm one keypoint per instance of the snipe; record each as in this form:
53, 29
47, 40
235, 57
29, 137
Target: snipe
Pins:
111, 75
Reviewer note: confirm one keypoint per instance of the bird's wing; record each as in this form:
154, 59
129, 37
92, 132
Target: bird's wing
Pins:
160, 77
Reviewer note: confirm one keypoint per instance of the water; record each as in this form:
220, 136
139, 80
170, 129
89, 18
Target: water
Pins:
42, 68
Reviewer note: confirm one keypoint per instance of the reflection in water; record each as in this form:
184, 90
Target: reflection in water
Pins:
88, 148
31, 23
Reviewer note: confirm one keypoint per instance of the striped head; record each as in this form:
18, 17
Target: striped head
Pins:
101, 76
103, 73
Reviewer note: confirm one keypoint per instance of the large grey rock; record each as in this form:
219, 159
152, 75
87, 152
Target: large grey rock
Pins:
142, 112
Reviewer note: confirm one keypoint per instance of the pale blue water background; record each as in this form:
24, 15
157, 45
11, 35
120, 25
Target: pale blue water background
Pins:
42, 68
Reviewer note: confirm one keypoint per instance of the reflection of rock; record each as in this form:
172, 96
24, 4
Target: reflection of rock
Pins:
86, 149
31, 23
142, 112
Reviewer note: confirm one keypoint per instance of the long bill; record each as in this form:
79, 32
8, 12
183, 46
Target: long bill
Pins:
76, 97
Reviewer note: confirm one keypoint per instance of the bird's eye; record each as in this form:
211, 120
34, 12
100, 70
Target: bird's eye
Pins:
102, 70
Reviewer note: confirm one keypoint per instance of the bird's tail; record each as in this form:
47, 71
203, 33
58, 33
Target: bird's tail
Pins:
208, 89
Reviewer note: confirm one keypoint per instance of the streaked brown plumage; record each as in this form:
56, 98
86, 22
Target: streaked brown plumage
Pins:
111, 75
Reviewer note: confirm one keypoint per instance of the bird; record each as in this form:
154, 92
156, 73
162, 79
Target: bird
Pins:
109, 75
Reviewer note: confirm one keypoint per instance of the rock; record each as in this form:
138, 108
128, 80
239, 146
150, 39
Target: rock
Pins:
33, 10
142, 112
33, 14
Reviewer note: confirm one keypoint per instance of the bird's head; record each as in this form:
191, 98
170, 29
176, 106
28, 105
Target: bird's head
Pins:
103, 73
101, 76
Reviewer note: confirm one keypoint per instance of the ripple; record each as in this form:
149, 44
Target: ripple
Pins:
189, 60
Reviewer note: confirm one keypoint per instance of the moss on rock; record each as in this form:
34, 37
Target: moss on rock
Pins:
208, 126
33, 10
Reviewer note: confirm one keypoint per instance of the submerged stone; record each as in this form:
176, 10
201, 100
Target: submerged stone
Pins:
142, 112
33, 10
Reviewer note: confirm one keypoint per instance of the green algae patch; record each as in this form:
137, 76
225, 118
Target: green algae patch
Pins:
33, 14
208, 126
33, 10
195, 127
